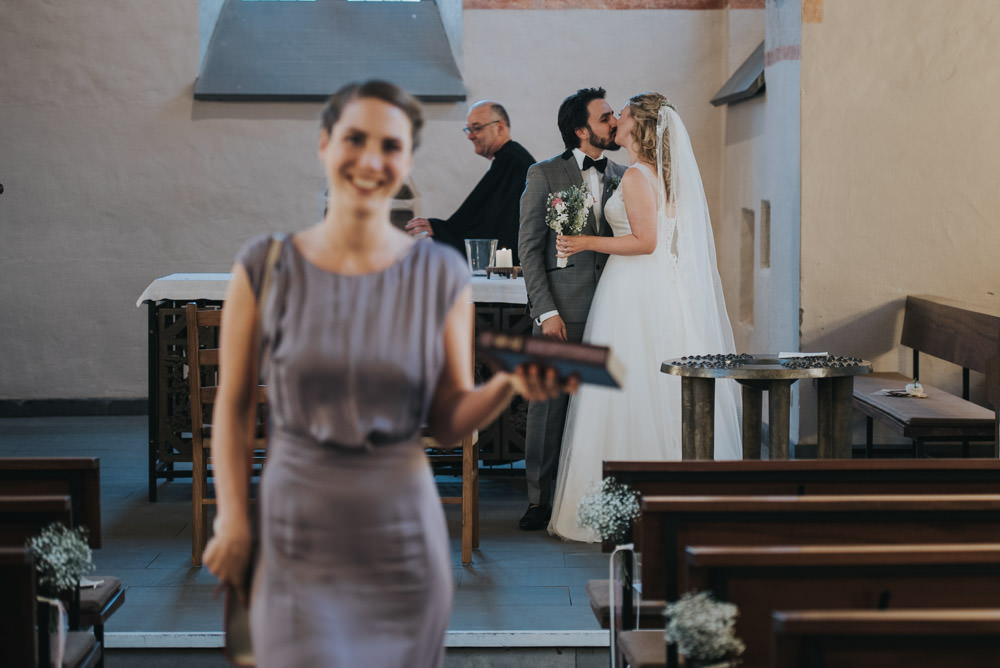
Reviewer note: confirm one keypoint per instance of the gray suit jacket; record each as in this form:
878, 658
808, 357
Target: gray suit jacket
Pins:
571, 289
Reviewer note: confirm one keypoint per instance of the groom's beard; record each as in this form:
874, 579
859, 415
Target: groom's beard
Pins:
608, 144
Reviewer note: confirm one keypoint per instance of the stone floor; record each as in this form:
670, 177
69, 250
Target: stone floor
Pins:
522, 596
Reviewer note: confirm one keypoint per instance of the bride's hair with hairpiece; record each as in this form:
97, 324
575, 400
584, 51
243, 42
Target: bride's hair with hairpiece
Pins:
645, 110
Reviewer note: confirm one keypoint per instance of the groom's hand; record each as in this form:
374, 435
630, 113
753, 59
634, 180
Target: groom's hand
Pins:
554, 327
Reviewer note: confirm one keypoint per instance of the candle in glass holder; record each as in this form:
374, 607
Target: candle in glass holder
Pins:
504, 257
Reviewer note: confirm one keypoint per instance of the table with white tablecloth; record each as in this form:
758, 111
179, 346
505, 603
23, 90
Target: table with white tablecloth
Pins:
212, 287
499, 303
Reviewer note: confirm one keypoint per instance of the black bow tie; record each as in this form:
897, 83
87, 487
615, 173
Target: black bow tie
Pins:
599, 165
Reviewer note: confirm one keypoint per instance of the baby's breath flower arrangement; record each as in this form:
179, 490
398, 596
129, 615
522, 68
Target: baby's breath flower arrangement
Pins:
566, 212
609, 510
703, 629
61, 557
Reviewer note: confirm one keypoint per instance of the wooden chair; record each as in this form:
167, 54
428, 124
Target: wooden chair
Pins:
469, 497
468, 454
203, 381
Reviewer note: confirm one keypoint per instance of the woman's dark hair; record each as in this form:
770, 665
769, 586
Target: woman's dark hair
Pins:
573, 114
380, 90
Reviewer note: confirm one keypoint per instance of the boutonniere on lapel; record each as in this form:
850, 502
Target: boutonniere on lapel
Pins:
566, 212
613, 182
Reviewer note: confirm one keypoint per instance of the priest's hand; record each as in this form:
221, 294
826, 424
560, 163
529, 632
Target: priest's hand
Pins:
419, 227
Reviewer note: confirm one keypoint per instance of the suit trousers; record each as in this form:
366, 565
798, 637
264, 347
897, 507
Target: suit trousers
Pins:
543, 434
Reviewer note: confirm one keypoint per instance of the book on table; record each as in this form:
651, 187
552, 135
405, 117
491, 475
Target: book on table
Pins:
597, 365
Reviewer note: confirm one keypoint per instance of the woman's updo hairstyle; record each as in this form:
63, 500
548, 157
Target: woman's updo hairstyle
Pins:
645, 109
380, 90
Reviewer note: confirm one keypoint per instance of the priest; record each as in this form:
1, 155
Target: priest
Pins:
492, 209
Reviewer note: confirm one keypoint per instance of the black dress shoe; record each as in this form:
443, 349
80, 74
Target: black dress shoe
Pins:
536, 517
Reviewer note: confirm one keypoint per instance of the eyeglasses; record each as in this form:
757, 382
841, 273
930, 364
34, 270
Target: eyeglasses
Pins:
478, 128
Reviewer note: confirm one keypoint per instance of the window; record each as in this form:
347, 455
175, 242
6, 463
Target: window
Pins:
302, 50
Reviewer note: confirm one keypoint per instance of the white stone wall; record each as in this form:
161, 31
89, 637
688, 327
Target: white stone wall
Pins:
115, 176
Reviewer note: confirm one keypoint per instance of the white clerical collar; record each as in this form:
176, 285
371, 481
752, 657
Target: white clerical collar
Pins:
580, 155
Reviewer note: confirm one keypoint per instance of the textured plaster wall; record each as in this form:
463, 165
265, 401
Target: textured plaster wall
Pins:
900, 157
115, 176
744, 152
530, 61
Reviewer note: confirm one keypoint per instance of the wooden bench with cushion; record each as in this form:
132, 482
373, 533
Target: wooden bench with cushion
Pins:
957, 333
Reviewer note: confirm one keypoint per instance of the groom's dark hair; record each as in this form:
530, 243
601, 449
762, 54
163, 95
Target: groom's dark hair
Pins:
573, 114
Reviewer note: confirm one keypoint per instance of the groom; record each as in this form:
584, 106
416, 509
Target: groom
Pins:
559, 299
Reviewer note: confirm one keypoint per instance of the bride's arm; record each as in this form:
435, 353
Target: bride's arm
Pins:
640, 206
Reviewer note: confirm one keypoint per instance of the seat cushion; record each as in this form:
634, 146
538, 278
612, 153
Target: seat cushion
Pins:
81, 649
98, 603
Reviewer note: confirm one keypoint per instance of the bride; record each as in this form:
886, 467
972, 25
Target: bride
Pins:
659, 298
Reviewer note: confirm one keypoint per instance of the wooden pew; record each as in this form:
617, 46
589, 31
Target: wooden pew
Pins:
24, 624
795, 477
966, 335
671, 524
764, 580
78, 477
22, 517
879, 638
599, 595
18, 635
808, 476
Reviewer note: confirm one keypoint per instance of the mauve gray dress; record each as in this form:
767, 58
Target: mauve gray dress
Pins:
355, 567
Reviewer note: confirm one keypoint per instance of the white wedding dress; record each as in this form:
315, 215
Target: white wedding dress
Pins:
648, 311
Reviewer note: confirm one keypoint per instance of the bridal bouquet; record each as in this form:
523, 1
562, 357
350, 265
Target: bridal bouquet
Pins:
609, 510
703, 629
566, 212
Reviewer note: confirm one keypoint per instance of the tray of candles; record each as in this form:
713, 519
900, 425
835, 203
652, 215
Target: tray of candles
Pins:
509, 272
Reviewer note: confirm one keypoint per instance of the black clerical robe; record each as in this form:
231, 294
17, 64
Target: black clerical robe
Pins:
492, 209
